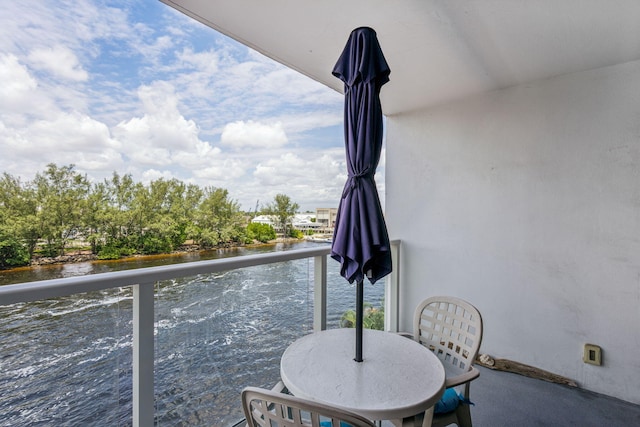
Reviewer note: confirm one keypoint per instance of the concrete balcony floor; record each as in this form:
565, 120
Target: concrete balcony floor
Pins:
504, 399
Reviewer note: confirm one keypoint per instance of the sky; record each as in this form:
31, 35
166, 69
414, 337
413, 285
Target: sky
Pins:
135, 87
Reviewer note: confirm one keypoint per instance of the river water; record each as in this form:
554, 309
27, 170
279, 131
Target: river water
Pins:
67, 361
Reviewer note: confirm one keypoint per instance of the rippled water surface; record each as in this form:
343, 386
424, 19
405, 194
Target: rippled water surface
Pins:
67, 361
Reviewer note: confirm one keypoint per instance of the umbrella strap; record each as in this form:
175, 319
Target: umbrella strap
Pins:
352, 181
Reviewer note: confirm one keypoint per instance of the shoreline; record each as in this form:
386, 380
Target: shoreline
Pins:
76, 256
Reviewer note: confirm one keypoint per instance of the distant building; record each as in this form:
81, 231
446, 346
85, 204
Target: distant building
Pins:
264, 219
302, 222
305, 221
326, 217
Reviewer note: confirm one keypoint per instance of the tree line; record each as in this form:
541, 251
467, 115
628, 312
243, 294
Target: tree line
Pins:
119, 217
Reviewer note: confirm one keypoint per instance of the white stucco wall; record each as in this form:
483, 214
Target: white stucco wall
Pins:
526, 202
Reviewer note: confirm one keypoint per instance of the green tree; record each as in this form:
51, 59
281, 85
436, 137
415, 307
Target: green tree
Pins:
181, 205
123, 222
260, 232
166, 211
111, 222
18, 209
61, 195
117, 216
282, 210
16, 203
12, 252
218, 219
145, 233
295, 233
169, 213
95, 213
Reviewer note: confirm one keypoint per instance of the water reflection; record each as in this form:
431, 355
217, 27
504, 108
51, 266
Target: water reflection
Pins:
55, 271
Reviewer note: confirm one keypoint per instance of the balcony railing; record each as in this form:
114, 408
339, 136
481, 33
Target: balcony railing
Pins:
143, 281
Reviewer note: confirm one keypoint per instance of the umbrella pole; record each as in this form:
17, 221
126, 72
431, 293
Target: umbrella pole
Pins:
359, 308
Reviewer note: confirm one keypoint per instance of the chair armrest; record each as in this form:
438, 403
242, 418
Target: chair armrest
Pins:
279, 387
470, 375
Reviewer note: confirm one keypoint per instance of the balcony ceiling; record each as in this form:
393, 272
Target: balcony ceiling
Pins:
438, 51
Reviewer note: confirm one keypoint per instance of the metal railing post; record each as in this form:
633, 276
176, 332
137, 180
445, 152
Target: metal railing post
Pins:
143, 355
392, 291
320, 293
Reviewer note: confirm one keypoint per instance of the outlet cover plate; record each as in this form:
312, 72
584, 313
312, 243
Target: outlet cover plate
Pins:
592, 354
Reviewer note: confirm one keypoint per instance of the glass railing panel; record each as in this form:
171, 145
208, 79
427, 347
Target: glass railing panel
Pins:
218, 333
67, 361
341, 295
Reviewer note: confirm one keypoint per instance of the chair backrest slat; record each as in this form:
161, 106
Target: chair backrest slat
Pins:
451, 328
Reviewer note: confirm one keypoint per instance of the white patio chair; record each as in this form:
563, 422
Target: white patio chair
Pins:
452, 329
269, 408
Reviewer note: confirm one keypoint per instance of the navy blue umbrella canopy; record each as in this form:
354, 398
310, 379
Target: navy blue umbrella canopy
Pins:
360, 240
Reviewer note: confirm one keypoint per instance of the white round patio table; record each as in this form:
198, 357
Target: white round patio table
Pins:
398, 377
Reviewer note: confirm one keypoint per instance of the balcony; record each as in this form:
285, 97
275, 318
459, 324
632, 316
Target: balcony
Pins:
512, 180
511, 165
132, 311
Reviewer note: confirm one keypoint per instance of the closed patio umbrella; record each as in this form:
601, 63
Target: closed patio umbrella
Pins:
361, 241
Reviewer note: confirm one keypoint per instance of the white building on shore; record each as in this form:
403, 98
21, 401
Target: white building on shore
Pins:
305, 222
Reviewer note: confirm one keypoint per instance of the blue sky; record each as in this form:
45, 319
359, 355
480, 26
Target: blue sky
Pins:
136, 87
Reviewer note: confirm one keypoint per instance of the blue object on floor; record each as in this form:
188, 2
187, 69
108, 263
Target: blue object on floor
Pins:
449, 402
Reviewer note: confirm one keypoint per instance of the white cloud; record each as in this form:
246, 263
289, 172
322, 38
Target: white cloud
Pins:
72, 132
292, 86
35, 24
142, 89
16, 79
219, 171
311, 178
242, 134
200, 154
206, 62
312, 120
176, 31
163, 137
67, 138
154, 174
288, 168
308, 177
159, 100
154, 138
19, 90
151, 48
60, 61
